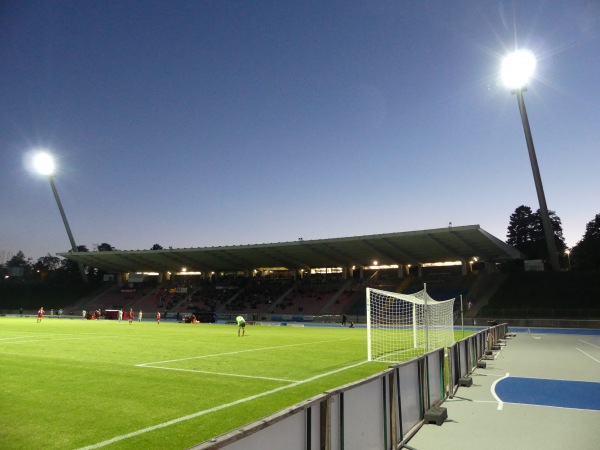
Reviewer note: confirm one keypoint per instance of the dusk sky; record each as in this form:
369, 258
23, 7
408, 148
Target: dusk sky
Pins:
212, 123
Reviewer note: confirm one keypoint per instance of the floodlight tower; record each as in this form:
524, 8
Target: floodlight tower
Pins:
517, 69
44, 164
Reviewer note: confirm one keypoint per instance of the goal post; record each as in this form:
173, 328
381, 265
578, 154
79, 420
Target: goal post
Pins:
401, 326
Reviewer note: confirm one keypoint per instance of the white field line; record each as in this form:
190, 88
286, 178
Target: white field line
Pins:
19, 337
589, 343
223, 374
236, 352
216, 408
56, 340
588, 355
493, 389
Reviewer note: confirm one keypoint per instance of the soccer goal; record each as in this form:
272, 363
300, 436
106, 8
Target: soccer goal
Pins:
401, 326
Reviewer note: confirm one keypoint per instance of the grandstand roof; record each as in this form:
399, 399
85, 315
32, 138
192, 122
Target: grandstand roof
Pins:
412, 247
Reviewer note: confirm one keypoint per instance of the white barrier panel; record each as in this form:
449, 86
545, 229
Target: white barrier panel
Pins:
434, 373
410, 388
463, 355
334, 415
365, 412
290, 433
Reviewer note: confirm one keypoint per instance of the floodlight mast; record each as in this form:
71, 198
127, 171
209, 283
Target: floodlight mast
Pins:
516, 71
45, 166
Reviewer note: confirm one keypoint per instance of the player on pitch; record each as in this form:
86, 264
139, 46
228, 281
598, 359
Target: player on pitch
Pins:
241, 325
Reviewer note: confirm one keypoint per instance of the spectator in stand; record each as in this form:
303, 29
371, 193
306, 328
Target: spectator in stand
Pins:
40, 314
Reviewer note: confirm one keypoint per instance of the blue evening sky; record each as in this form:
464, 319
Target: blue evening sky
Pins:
208, 123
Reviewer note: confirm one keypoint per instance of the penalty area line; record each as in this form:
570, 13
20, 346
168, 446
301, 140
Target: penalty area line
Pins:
237, 352
214, 409
222, 374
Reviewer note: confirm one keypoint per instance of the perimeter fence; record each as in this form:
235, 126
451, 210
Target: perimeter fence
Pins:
382, 411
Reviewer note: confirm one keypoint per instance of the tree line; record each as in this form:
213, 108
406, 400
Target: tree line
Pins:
55, 268
526, 233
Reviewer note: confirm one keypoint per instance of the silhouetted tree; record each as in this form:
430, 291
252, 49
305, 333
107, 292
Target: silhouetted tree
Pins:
21, 261
47, 266
104, 247
526, 233
156, 247
520, 229
586, 253
71, 268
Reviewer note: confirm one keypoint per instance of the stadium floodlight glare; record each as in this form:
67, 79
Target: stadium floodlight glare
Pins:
44, 164
517, 69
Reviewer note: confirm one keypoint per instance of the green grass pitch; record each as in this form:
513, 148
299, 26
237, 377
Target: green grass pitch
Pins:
74, 384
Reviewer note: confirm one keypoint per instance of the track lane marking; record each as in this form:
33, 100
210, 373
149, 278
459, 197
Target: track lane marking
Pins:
588, 355
493, 390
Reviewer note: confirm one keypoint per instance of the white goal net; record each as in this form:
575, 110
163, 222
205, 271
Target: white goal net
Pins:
400, 326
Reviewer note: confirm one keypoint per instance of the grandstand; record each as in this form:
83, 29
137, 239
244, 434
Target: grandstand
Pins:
296, 280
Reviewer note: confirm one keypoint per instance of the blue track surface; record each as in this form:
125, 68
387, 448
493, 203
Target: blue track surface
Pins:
579, 331
559, 393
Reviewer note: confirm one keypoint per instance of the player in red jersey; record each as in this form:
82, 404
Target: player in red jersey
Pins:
40, 314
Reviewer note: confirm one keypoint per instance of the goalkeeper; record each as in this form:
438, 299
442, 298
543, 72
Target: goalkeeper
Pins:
241, 325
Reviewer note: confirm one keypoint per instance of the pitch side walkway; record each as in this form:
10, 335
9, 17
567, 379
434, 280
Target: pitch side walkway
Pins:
542, 391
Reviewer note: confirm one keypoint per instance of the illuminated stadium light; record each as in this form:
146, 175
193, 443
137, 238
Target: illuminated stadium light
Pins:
326, 270
384, 266
518, 68
43, 163
442, 264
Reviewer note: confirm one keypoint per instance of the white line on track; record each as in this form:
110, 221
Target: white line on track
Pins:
237, 352
493, 389
223, 374
216, 408
586, 354
589, 343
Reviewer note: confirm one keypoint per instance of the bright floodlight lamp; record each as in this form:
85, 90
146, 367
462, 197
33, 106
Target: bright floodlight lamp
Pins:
517, 69
44, 164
